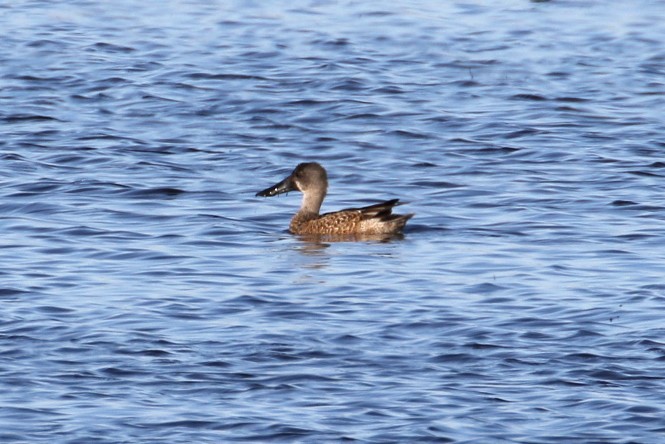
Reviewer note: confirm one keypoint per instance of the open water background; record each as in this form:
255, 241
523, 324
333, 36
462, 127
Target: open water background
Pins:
148, 297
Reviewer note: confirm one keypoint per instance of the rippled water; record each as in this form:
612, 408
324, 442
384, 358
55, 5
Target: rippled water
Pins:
148, 296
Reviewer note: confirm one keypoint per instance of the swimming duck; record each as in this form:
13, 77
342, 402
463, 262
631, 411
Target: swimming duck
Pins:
311, 179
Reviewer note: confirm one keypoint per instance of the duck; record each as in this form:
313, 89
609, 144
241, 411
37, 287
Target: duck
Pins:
311, 179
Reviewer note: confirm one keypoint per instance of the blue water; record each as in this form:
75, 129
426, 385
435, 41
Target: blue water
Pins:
148, 297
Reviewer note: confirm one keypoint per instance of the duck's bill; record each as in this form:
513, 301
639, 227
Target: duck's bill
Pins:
282, 187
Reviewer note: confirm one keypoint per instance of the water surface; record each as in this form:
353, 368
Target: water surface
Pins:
148, 296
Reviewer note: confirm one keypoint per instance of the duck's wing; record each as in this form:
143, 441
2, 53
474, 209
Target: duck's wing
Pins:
379, 210
377, 218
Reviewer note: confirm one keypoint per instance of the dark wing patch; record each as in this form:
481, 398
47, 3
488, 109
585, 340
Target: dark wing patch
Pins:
381, 210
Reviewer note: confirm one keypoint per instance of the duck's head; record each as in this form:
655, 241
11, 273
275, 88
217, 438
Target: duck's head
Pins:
306, 177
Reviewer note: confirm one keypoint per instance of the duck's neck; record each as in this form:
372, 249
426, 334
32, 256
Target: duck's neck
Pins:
312, 200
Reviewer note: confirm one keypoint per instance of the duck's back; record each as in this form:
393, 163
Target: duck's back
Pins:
373, 219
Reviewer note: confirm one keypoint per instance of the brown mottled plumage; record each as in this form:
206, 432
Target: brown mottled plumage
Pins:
311, 179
